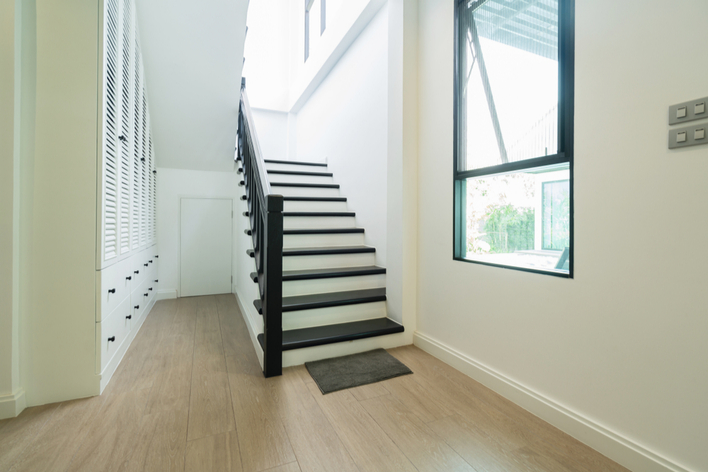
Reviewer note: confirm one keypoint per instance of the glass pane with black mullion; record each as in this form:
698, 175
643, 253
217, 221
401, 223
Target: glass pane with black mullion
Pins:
507, 94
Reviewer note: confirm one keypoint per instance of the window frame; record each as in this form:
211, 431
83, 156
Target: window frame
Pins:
566, 93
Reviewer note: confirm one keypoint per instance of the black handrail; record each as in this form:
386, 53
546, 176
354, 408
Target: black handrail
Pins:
265, 212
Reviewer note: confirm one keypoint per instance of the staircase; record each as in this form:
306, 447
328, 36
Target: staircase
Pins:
315, 280
333, 291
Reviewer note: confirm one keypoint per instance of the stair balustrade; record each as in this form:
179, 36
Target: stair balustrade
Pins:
265, 212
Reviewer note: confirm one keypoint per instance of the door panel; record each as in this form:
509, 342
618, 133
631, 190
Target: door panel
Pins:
205, 246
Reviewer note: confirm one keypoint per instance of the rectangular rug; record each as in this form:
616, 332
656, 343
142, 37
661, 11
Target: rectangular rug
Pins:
339, 373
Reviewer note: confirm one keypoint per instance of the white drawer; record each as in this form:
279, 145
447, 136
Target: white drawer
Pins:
113, 285
112, 332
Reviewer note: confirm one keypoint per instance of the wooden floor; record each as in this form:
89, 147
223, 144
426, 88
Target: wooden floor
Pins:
189, 396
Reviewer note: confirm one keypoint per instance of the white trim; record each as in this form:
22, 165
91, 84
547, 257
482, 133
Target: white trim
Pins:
252, 330
167, 294
610, 443
12, 404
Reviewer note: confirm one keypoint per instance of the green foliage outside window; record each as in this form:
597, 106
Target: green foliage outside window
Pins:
508, 229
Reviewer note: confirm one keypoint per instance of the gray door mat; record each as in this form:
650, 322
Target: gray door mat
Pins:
339, 373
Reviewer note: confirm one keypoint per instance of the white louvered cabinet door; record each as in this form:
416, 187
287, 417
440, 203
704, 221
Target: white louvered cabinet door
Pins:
127, 45
111, 123
143, 174
137, 148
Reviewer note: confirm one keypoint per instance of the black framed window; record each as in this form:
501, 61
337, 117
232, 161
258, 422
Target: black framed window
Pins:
513, 173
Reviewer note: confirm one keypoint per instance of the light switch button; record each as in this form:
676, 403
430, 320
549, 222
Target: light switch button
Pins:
681, 137
699, 133
681, 112
699, 108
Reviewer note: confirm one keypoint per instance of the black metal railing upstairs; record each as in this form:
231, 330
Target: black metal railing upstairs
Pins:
265, 211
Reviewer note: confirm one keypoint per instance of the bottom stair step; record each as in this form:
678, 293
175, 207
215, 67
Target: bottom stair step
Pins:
337, 333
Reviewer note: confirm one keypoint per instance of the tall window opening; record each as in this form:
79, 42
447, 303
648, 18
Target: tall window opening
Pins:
513, 172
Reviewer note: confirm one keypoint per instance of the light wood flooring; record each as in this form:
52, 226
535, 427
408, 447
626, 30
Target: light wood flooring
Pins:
189, 396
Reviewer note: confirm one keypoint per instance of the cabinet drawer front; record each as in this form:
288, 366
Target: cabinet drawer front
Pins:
112, 332
140, 269
113, 285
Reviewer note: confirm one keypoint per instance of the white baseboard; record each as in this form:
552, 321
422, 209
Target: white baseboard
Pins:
252, 330
609, 443
166, 294
12, 404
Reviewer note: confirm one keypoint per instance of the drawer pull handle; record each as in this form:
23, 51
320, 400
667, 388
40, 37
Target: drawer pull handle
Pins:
129, 317
112, 290
136, 272
145, 264
150, 288
145, 295
155, 281
156, 257
130, 277
137, 307
112, 339
150, 261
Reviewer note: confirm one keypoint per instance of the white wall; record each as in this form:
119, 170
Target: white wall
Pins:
266, 51
172, 184
617, 355
345, 122
272, 130
8, 340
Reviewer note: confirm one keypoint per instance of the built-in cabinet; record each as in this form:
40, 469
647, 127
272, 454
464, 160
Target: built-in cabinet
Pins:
126, 282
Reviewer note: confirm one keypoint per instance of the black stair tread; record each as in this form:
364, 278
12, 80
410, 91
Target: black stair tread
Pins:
319, 335
296, 172
314, 199
324, 300
329, 273
322, 231
315, 251
319, 213
297, 163
300, 184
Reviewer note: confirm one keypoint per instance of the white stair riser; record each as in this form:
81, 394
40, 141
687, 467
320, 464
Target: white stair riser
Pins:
305, 179
304, 191
323, 240
295, 167
301, 222
333, 315
314, 206
335, 284
328, 261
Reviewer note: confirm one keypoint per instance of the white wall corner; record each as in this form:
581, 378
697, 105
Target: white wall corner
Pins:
609, 443
166, 294
12, 404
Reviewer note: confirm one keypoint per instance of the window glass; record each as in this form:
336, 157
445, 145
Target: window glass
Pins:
508, 76
520, 219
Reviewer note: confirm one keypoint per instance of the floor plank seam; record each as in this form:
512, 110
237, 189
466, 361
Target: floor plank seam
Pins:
231, 396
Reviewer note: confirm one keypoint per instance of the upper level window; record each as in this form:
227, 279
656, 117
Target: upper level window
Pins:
314, 10
513, 173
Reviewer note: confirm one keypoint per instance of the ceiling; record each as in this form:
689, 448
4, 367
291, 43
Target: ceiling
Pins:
193, 55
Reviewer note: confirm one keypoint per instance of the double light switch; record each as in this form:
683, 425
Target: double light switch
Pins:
689, 135
688, 111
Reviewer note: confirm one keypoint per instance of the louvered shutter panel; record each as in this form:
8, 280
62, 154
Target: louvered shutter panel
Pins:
143, 175
137, 120
153, 201
110, 158
125, 157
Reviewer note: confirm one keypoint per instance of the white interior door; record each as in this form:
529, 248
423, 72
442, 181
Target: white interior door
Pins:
205, 246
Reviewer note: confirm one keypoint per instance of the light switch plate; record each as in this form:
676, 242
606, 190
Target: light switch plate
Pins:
692, 111
692, 136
